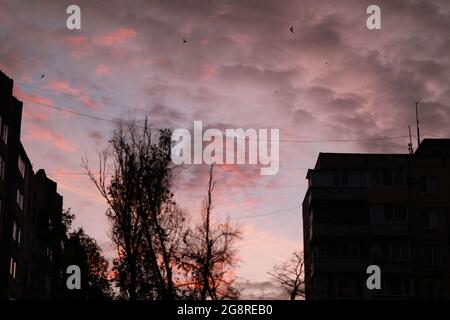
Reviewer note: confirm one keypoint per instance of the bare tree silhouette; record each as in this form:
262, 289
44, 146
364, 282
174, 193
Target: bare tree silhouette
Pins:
290, 275
210, 255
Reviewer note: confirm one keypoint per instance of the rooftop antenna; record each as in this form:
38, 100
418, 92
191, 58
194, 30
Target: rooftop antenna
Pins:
417, 124
410, 147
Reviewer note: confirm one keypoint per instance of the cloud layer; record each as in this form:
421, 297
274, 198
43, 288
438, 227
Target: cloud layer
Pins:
239, 67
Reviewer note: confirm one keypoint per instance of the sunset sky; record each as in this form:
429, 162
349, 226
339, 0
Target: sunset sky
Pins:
241, 67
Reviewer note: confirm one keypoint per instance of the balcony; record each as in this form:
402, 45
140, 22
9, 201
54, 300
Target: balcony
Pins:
335, 230
337, 194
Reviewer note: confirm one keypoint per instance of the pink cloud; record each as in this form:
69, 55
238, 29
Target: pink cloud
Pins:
62, 87
81, 95
208, 71
239, 39
46, 135
154, 61
75, 40
78, 45
102, 70
81, 45
33, 112
81, 191
115, 38
36, 115
88, 102
251, 202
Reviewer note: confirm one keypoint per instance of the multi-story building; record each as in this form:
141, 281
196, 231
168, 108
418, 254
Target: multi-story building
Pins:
389, 210
30, 208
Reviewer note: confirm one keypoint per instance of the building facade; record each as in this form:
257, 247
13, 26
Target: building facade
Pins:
31, 241
389, 210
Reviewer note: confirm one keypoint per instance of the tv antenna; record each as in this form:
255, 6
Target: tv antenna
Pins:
410, 147
417, 124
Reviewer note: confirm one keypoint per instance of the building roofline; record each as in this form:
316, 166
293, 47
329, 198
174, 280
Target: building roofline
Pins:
363, 154
23, 152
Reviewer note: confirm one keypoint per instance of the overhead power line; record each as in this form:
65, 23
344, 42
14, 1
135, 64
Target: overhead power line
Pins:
180, 116
259, 215
118, 105
81, 114
265, 214
195, 170
125, 107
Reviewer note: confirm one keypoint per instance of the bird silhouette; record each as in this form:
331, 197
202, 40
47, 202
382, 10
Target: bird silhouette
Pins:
43, 75
184, 40
291, 28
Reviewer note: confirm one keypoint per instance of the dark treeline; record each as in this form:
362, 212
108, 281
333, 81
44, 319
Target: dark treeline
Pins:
83, 251
159, 254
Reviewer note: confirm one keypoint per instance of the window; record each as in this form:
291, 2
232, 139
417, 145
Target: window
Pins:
20, 201
387, 178
50, 224
375, 178
322, 178
432, 255
22, 167
353, 178
395, 250
343, 288
398, 177
5, 133
377, 214
12, 268
396, 287
49, 254
356, 178
338, 178
389, 214
346, 214
2, 168
27, 275
17, 233
342, 249
431, 219
428, 184
395, 214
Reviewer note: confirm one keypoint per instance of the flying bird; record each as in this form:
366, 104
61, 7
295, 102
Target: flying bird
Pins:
291, 28
43, 75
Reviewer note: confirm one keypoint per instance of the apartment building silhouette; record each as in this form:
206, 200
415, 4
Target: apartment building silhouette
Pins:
390, 210
31, 244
